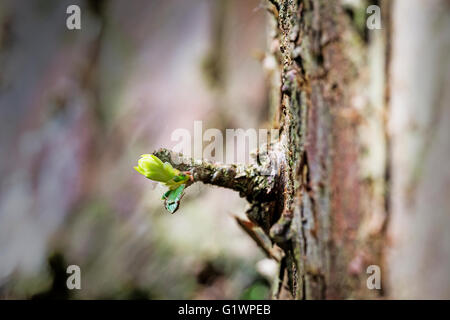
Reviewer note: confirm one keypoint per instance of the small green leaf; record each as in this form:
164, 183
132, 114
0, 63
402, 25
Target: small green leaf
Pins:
172, 198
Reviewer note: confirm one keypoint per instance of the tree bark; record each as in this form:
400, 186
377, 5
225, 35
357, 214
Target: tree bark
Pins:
332, 208
363, 131
353, 186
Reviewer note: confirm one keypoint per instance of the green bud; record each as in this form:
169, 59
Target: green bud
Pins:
153, 168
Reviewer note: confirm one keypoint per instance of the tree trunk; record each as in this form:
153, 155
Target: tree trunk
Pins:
362, 134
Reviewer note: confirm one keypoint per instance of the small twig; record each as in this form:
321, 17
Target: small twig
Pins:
261, 238
251, 181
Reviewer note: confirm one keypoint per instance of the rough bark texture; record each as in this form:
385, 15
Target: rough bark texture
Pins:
319, 197
364, 129
332, 204
337, 172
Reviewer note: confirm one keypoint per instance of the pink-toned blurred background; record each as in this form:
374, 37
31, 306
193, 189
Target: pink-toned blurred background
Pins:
78, 107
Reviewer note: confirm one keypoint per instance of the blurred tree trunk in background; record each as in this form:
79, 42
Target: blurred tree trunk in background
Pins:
419, 124
364, 119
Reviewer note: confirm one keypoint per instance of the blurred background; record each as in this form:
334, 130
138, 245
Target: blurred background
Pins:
78, 107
